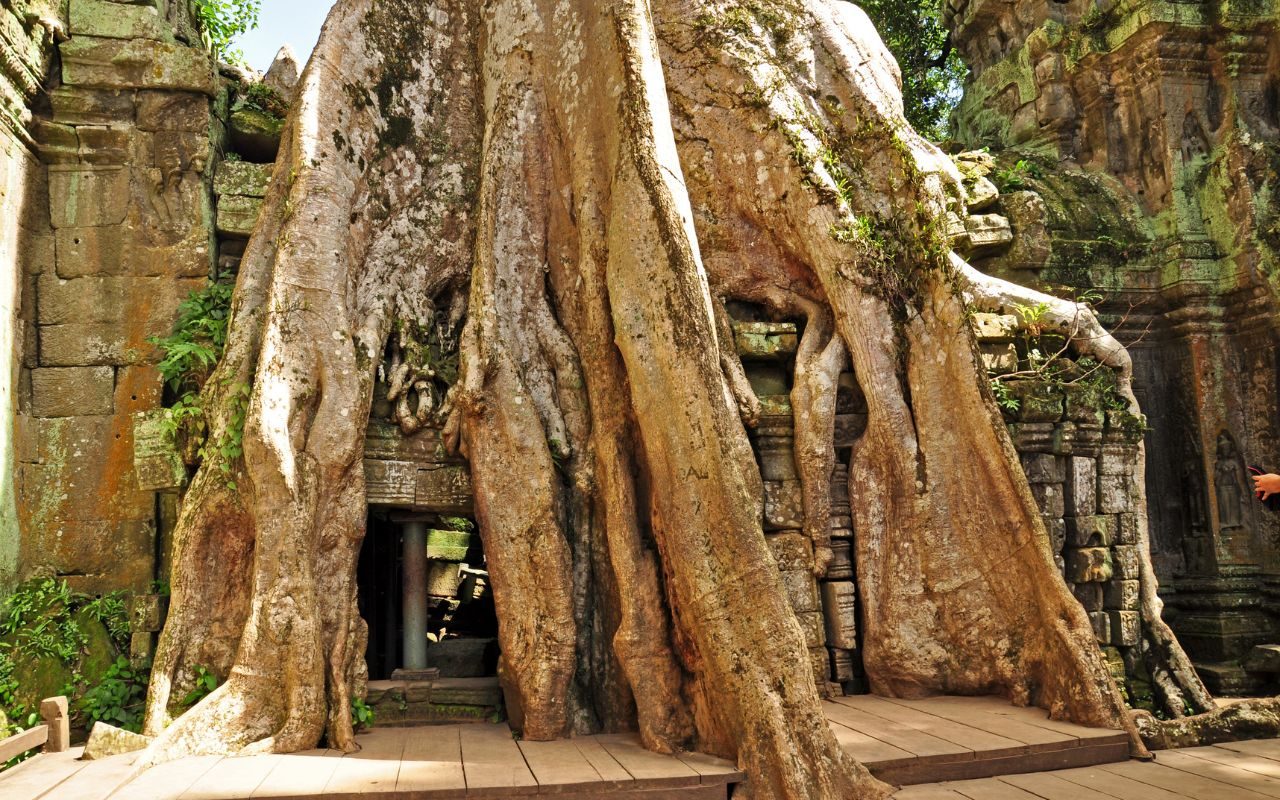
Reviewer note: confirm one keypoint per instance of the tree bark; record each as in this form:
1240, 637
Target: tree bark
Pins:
596, 178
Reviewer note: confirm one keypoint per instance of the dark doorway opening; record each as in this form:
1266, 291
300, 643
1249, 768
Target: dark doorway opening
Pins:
462, 624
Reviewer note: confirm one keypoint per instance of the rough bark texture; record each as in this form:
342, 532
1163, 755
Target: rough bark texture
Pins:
598, 178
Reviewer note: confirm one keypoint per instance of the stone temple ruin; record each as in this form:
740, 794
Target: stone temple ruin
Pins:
1132, 150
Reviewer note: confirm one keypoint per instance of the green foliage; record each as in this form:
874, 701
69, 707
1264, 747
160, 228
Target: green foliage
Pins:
1016, 177
206, 682
932, 72
265, 99
230, 444
39, 619
193, 349
1004, 398
111, 611
362, 715
221, 21
118, 699
456, 524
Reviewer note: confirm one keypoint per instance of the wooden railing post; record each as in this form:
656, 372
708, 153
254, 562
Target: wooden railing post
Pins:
54, 714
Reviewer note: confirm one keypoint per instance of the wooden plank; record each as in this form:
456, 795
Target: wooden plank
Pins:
1264, 748
493, 763
232, 777
988, 789
1051, 787
36, 777
651, 770
1031, 715
97, 781
983, 767
611, 772
870, 751
300, 775
1177, 781
978, 715
1034, 739
903, 737
989, 744
559, 766
1232, 758
20, 743
928, 792
373, 770
432, 762
1220, 772
712, 770
1116, 785
167, 781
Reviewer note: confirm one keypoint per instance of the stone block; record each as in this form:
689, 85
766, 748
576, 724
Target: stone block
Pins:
791, 550
1033, 437
104, 145
444, 489
106, 741
103, 344
1037, 401
101, 62
443, 578
173, 111
841, 665
765, 341
998, 359
448, 545
1127, 528
987, 233
72, 391
391, 483
75, 106
93, 197
1101, 622
138, 388
1089, 595
59, 145
783, 505
1082, 405
1032, 245
1122, 595
142, 649
777, 456
840, 611
147, 612
1081, 487
1088, 564
242, 178
238, 215
1044, 468
1092, 531
802, 590
255, 134
156, 461
1117, 459
849, 429
116, 20
1126, 628
814, 627
1263, 658
1126, 560
1116, 494
145, 302
1000, 328
1049, 498
980, 194
1057, 530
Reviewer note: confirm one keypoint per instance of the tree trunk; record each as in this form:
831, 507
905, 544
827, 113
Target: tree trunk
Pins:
597, 179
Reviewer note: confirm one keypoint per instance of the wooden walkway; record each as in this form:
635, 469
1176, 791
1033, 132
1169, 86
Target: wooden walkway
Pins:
1237, 771
901, 741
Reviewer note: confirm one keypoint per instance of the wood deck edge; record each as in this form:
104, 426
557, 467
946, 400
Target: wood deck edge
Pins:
925, 771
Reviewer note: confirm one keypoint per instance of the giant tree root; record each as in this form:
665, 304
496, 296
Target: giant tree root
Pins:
1234, 722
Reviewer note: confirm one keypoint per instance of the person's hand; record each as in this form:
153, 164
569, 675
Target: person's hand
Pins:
1266, 485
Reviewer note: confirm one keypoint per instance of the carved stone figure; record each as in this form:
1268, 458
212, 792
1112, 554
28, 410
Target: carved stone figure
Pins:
1226, 482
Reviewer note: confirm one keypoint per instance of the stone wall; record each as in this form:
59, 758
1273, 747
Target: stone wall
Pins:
1144, 137
27, 32
125, 135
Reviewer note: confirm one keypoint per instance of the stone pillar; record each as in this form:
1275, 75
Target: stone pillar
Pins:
414, 614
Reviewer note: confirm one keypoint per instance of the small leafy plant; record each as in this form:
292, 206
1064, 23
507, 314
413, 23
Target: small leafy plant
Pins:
206, 682
362, 714
119, 699
1016, 177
